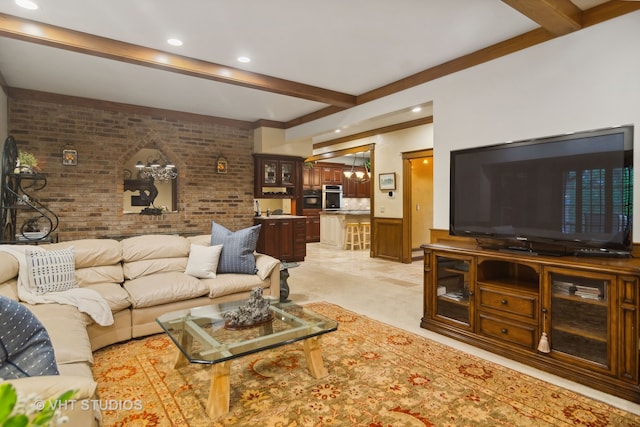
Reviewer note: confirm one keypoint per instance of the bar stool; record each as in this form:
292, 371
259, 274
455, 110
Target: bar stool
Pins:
352, 237
365, 235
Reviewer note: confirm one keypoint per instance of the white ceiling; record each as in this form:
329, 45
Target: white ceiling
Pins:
349, 46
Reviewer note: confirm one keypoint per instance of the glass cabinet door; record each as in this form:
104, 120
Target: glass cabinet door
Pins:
580, 319
286, 170
270, 172
453, 289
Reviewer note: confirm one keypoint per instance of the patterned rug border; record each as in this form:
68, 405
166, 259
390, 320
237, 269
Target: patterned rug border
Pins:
484, 389
553, 390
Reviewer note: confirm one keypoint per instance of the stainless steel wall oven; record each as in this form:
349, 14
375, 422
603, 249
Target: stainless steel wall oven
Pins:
331, 197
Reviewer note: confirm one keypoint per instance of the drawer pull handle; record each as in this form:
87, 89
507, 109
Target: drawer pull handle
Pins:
504, 330
503, 302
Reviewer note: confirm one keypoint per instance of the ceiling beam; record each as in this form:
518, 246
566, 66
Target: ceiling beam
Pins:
373, 132
75, 41
596, 15
559, 17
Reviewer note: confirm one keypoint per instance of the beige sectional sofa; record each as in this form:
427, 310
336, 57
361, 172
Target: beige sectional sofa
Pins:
140, 278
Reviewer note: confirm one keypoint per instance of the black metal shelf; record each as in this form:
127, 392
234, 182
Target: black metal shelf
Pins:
17, 188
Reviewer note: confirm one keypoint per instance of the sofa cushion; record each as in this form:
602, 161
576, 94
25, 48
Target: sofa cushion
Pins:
201, 239
92, 252
203, 261
148, 267
25, 347
99, 274
9, 289
10, 267
114, 294
154, 246
51, 270
226, 284
68, 332
161, 288
237, 250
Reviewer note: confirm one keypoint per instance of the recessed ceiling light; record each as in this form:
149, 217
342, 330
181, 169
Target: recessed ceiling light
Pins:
175, 42
244, 59
27, 4
416, 109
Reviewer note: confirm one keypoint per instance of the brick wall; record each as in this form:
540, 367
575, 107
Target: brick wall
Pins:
88, 198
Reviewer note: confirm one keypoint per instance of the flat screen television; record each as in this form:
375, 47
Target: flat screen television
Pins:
570, 193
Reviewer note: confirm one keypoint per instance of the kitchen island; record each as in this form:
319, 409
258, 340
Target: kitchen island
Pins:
283, 237
333, 224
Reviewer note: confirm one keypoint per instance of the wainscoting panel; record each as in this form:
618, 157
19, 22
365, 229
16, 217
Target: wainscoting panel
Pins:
387, 238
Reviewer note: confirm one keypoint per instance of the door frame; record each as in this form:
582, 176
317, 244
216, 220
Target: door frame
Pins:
406, 200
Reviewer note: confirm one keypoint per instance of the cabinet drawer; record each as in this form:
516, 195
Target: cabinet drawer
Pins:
518, 305
512, 332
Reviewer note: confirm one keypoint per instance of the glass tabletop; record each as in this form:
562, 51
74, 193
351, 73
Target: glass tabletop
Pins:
202, 337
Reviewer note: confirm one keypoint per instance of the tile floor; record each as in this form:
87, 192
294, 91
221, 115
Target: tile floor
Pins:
391, 292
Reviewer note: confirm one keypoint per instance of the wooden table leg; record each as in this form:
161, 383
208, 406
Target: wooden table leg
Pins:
181, 359
220, 390
314, 357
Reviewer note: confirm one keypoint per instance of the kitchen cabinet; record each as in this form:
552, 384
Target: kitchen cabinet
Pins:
283, 237
312, 177
277, 176
312, 224
587, 309
332, 174
333, 225
354, 189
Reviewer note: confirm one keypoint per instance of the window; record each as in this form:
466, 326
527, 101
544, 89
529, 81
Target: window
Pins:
597, 200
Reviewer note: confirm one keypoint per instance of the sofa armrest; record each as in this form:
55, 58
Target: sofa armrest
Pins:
269, 267
52, 386
81, 410
265, 265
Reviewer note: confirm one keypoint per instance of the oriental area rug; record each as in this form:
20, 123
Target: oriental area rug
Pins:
379, 376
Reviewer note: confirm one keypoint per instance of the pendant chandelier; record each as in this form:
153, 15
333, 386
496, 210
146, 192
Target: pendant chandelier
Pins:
358, 176
160, 170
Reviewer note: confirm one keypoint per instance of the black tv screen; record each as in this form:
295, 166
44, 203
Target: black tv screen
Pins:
574, 190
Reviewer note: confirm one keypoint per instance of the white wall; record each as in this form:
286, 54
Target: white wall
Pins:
389, 149
586, 80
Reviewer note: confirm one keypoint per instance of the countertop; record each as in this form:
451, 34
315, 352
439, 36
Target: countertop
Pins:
346, 212
264, 216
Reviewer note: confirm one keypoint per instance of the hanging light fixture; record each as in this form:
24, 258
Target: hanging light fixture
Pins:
160, 170
358, 175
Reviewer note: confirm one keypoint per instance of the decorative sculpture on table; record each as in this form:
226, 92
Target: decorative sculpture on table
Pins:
255, 312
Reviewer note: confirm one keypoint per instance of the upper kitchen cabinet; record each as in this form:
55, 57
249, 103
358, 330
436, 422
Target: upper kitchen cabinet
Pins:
312, 177
356, 188
277, 177
332, 174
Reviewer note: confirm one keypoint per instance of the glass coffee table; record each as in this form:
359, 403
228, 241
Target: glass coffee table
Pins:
202, 337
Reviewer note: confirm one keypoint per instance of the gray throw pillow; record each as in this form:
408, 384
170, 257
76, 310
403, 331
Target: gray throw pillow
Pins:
25, 347
237, 248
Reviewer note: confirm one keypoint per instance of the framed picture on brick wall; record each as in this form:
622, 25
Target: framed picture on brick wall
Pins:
69, 157
221, 164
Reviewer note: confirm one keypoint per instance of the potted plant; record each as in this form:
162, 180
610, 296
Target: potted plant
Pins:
27, 162
30, 411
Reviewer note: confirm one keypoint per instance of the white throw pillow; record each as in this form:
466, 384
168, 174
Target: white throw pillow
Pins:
51, 271
203, 261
